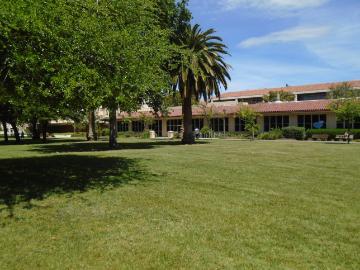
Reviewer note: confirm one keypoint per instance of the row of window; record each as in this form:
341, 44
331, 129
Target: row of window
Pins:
222, 124
312, 121
272, 122
139, 126
348, 124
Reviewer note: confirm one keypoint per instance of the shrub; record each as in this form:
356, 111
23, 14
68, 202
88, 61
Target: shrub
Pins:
297, 133
239, 135
128, 134
104, 132
145, 135
274, 134
206, 131
332, 132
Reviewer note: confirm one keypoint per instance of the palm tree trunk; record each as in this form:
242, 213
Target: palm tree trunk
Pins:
92, 135
16, 131
113, 128
6, 137
188, 136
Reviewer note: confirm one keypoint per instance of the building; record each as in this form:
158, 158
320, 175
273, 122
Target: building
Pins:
310, 106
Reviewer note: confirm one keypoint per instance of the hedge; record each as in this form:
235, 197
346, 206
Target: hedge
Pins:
291, 132
274, 134
332, 132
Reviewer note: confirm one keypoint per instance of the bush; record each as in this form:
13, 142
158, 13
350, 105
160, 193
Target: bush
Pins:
332, 132
128, 134
238, 135
104, 132
206, 130
297, 133
274, 134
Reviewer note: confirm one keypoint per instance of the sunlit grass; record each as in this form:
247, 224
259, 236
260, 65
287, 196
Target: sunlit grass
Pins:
162, 205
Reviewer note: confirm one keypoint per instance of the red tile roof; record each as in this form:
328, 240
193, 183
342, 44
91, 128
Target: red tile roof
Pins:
231, 109
299, 106
293, 89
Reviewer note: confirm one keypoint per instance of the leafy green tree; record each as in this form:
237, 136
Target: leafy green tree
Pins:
275, 95
344, 90
250, 118
64, 58
200, 72
346, 110
32, 60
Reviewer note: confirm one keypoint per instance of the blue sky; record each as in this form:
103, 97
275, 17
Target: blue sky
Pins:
274, 42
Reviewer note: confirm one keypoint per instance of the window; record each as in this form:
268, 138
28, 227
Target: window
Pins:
312, 96
239, 124
123, 126
253, 100
309, 121
357, 123
157, 127
278, 121
197, 123
217, 124
347, 124
138, 126
174, 125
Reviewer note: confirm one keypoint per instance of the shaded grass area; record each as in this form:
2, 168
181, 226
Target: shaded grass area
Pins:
162, 205
103, 146
25, 179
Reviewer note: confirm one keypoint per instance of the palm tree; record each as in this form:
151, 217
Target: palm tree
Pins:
201, 71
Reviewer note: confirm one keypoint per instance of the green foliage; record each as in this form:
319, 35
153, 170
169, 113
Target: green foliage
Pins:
199, 70
284, 96
346, 109
206, 131
332, 132
249, 116
274, 134
62, 58
131, 134
344, 90
237, 135
147, 119
291, 132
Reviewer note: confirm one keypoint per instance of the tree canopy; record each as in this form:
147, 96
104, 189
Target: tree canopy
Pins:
281, 95
60, 59
200, 70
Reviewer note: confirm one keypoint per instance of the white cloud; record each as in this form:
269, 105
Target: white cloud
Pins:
341, 49
272, 4
292, 34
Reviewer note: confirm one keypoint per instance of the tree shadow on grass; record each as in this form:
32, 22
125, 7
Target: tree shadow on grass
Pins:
24, 179
102, 146
29, 141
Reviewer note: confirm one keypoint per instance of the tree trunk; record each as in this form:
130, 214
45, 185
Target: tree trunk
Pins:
16, 131
44, 126
34, 129
92, 134
6, 137
113, 128
188, 136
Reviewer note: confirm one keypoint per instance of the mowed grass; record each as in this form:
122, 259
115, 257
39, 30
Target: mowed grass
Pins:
162, 205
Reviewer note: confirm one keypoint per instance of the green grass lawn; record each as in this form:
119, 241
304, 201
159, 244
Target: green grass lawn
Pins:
162, 205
